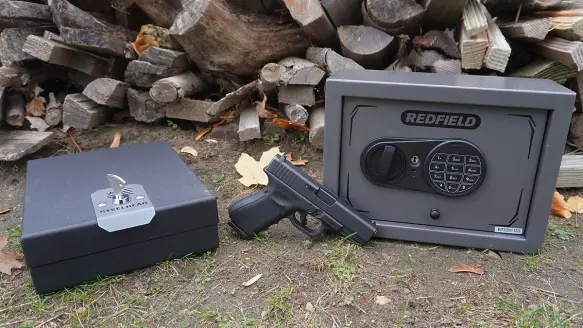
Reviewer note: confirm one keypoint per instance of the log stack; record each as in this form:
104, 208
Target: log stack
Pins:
259, 67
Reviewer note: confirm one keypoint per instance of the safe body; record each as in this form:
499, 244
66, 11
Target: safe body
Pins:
450, 159
73, 233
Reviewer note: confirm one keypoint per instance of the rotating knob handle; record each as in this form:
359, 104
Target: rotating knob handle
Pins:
384, 164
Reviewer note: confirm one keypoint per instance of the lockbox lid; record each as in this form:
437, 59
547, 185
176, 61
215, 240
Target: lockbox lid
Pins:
59, 218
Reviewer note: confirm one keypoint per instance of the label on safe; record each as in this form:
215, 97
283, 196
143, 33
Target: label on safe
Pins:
513, 231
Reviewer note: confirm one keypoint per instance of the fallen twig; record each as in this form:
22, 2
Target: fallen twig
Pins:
75, 142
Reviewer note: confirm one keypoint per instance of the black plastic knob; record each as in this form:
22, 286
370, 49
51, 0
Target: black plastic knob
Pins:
434, 214
385, 163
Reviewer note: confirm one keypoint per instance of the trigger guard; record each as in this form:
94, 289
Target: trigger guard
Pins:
301, 225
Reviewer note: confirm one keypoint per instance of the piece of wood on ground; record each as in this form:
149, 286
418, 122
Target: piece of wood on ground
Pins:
570, 28
530, 30
570, 172
566, 52
53, 111
446, 66
249, 125
474, 20
314, 21
424, 59
297, 94
442, 14
220, 38
545, 69
316, 124
14, 107
162, 13
23, 13
166, 57
60, 54
144, 74
14, 145
107, 92
330, 60
3, 93
296, 113
143, 108
97, 42
11, 42
299, 71
499, 50
368, 46
234, 98
438, 40
191, 110
342, 12
81, 112
394, 16
473, 49
174, 88
269, 77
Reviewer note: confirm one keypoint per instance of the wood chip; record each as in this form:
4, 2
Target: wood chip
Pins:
252, 280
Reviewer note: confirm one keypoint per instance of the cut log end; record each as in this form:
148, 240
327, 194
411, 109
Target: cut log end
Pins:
368, 46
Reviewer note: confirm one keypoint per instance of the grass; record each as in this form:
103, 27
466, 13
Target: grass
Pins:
272, 138
12, 232
343, 257
533, 261
299, 138
218, 178
279, 306
225, 319
547, 315
561, 232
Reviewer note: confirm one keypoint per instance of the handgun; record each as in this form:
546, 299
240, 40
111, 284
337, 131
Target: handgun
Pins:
291, 193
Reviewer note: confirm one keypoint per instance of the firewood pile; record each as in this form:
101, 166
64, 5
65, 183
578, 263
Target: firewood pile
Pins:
249, 69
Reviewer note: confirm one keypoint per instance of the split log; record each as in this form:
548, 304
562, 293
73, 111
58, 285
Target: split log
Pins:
369, 47
442, 14
165, 57
233, 98
80, 78
23, 13
474, 20
531, 30
11, 42
15, 76
395, 16
342, 12
83, 113
249, 125
162, 13
262, 6
67, 15
296, 113
570, 28
473, 49
269, 77
313, 20
143, 108
52, 36
15, 145
171, 89
107, 92
299, 71
446, 66
60, 54
570, 172
54, 111
297, 94
218, 38
438, 40
15, 108
329, 60
98, 42
190, 110
316, 123
142, 80
566, 52
2, 94
424, 59
546, 69
499, 50
148, 68
578, 88
225, 131
544, 4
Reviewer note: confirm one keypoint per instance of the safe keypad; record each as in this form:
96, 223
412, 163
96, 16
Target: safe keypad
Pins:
454, 173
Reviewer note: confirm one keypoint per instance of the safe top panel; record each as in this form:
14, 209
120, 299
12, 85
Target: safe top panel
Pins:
454, 159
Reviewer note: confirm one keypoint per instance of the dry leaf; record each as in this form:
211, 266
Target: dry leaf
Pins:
213, 141
382, 300
4, 210
466, 268
575, 204
116, 140
309, 307
37, 123
189, 150
252, 280
288, 125
8, 260
260, 107
297, 162
252, 170
559, 207
36, 107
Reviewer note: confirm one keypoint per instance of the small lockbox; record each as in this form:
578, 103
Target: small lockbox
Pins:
110, 211
458, 160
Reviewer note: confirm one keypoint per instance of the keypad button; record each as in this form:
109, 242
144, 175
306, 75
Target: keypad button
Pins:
455, 168
436, 176
472, 169
452, 187
439, 157
465, 187
440, 185
457, 159
453, 177
472, 160
439, 167
471, 178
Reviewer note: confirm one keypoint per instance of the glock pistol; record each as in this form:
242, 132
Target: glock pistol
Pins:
293, 194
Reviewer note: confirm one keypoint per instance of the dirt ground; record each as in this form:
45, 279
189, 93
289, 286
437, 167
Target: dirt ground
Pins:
303, 284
